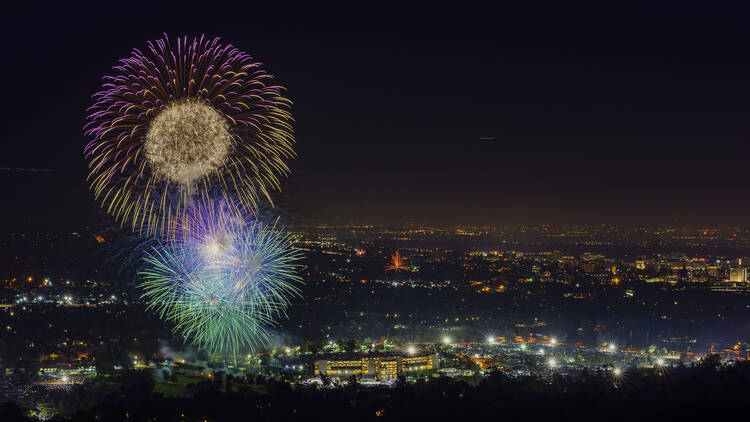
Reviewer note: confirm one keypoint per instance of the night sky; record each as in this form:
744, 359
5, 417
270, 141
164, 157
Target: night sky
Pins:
595, 115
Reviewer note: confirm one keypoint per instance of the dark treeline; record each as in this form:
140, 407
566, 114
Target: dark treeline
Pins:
706, 391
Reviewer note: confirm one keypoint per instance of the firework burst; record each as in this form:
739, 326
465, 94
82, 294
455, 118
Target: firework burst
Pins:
221, 281
173, 125
396, 263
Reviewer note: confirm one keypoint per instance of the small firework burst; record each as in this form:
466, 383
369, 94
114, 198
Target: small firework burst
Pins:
397, 263
172, 125
222, 281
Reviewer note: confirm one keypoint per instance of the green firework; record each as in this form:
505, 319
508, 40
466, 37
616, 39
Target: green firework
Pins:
222, 282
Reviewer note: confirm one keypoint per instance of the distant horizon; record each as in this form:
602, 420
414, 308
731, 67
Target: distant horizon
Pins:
309, 222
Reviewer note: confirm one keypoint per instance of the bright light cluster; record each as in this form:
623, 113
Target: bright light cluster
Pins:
223, 280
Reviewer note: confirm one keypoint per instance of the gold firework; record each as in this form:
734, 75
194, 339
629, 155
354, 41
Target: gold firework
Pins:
187, 141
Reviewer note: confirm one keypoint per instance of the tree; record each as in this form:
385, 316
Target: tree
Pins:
325, 379
508, 334
350, 345
353, 380
103, 363
27, 371
137, 385
312, 346
711, 362
401, 381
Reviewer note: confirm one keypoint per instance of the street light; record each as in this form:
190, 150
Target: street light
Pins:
611, 347
552, 363
491, 340
553, 341
446, 340
411, 350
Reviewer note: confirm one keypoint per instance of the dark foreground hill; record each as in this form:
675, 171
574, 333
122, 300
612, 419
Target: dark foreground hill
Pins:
707, 391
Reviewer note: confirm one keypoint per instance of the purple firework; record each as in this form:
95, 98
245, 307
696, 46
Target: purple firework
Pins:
173, 125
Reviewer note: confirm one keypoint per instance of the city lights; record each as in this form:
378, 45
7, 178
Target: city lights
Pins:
544, 352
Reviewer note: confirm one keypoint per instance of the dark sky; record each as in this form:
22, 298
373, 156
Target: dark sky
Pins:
598, 114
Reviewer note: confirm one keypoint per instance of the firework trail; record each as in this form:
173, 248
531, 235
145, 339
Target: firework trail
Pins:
18, 169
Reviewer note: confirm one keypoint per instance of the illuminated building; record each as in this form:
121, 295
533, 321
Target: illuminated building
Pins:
378, 367
588, 267
738, 275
